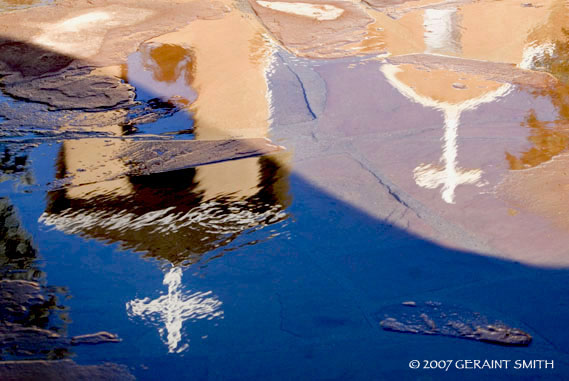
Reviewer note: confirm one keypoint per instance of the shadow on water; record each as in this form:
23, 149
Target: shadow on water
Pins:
306, 303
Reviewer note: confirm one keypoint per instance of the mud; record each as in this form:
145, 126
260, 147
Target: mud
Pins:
432, 318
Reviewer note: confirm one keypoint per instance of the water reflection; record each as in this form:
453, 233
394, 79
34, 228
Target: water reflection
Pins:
451, 92
442, 31
164, 70
436, 90
31, 316
173, 215
451, 31
174, 308
548, 138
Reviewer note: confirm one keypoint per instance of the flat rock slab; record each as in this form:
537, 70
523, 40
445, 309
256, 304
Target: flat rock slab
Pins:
432, 318
381, 4
17, 297
148, 157
494, 71
316, 28
61, 370
73, 89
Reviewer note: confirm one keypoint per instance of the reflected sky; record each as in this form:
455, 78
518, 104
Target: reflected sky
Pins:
388, 165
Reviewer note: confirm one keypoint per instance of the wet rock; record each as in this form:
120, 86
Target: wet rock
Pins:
410, 304
24, 341
147, 157
382, 4
499, 334
95, 338
460, 86
494, 71
431, 318
61, 370
16, 247
29, 60
25, 309
287, 84
103, 32
17, 298
318, 29
71, 89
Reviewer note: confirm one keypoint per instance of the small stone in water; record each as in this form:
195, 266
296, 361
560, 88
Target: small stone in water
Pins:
433, 318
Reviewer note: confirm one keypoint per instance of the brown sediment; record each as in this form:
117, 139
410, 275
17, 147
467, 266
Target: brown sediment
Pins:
101, 33
309, 37
490, 71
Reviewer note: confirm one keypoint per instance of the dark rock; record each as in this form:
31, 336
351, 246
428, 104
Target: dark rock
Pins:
95, 338
16, 248
148, 157
431, 318
61, 370
17, 297
29, 60
71, 89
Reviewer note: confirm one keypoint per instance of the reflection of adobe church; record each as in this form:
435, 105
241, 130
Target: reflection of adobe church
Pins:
459, 85
178, 215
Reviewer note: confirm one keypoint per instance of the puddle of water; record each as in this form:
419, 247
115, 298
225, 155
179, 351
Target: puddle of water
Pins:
245, 260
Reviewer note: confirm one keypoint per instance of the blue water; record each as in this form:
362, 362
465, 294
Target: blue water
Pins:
296, 294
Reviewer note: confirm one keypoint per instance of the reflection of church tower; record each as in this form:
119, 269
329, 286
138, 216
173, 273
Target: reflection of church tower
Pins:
177, 215
180, 216
174, 308
447, 91
442, 31
435, 89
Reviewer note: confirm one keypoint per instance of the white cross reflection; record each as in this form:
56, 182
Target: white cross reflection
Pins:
174, 308
449, 175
